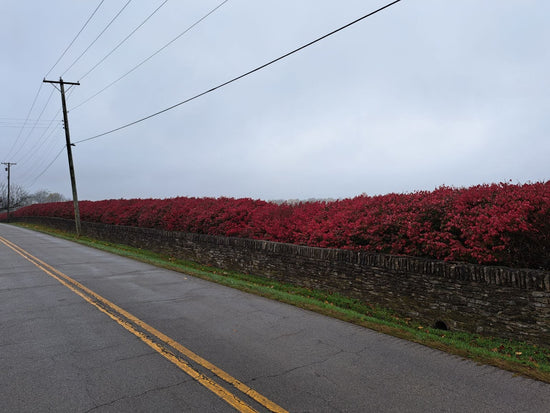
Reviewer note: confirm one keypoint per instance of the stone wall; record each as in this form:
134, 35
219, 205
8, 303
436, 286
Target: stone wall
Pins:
498, 301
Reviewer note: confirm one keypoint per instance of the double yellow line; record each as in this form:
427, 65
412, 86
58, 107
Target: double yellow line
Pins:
164, 345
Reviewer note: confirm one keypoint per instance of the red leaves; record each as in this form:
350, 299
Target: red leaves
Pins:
487, 224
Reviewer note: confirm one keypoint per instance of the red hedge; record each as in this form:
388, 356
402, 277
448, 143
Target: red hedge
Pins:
488, 224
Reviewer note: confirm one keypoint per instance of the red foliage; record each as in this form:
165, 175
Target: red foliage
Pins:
488, 224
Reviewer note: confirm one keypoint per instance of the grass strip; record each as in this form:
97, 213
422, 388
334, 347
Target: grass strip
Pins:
519, 357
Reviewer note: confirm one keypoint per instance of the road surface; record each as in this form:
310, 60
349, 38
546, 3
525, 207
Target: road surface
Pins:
87, 331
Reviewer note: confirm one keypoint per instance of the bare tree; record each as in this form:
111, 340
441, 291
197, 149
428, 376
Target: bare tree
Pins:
43, 196
18, 196
54, 197
39, 197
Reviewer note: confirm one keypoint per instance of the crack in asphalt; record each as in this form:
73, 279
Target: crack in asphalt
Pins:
332, 407
166, 300
110, 403
188, 295
294, 333
152, 353
313, 363
28, 288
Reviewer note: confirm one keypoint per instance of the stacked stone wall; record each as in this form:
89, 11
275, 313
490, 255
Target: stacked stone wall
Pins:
497, 301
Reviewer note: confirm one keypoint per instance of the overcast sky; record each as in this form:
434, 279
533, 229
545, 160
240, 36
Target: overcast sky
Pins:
422, 94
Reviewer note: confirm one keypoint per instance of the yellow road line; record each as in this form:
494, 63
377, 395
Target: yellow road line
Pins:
118, 314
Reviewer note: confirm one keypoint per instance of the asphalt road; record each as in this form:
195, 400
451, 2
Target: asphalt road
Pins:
101, 340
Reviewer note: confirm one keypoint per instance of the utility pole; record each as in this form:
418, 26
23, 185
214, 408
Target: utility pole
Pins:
62, 84
8, 168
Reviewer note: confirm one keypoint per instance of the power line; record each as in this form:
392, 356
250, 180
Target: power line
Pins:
16, 150
41, 142
52, 153
41, 83
25, 140
20, 121
26, 120
241, 76
97, 38
19, 126
31, 168
78, 34
124, 40
48, 167
151, 56
34, 126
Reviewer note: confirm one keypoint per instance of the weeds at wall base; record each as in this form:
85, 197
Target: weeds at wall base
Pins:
518, 357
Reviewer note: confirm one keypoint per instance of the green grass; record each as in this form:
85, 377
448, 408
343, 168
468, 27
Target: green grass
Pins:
519, 357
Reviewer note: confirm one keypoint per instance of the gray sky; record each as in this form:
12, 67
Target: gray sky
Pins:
423, 94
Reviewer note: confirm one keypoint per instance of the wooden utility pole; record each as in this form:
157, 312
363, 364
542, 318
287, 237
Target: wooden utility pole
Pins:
62, 84
8, 168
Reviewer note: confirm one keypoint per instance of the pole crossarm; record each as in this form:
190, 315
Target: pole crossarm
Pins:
60, 81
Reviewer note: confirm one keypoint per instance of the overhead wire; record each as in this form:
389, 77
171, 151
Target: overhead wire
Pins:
20, 121
151, 56
42, 141
240, 76
32, 129
47, 74
34, 126
29, 154
19, 124
29, 168
25, 140
48, 167
74, 39
219, 86
36, 122
97, 38
123, 41
16, 141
